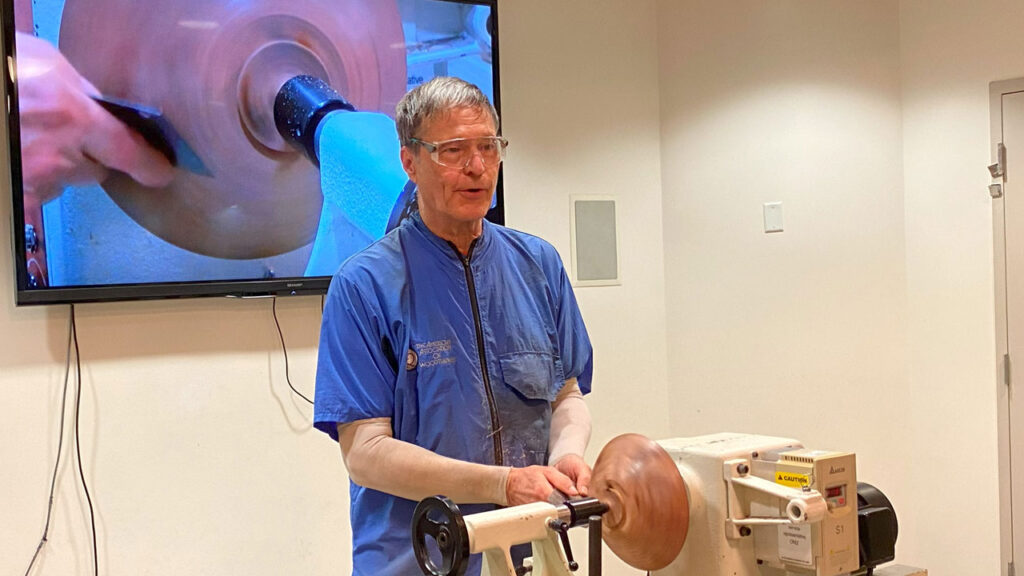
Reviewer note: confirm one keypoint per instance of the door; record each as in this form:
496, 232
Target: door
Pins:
1008, 217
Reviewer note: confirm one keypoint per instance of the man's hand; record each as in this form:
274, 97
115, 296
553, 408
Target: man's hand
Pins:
66, 137
577, 470
536, 484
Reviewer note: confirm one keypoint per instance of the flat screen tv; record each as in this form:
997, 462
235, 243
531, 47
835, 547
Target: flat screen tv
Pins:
238, 201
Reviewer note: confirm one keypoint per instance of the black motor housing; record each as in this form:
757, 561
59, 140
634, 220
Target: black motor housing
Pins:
876, 526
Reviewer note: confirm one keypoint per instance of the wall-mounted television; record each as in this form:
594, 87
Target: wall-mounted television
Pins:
197, 188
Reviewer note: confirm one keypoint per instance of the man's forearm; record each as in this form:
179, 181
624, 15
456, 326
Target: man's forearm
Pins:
570, 423
377, 460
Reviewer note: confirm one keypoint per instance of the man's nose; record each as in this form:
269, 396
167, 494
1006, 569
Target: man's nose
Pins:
475, 164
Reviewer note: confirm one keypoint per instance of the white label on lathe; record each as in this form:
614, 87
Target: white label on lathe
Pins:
795, 544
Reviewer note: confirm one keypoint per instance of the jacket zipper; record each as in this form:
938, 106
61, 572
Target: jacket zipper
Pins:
495, 424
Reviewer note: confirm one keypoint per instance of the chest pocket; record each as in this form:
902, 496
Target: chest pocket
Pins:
524, 404
532, 375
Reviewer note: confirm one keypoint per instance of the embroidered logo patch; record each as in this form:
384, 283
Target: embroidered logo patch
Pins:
433, 353
411, 359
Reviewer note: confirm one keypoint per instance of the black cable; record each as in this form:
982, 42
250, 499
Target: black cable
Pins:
60, 448
284, 348
78, 444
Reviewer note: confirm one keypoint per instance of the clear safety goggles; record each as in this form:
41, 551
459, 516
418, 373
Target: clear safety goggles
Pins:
458, 152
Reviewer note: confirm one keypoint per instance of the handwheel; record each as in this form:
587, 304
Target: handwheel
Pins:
440, 518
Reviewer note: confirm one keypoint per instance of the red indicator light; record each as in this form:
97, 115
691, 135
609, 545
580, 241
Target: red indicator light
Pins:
834, 491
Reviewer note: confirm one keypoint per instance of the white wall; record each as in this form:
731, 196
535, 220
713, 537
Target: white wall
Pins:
800, 333
951, 51
199, 459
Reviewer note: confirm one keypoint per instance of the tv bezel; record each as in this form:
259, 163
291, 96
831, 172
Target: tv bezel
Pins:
241, 288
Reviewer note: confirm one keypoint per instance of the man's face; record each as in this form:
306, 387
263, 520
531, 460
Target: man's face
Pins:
452, 198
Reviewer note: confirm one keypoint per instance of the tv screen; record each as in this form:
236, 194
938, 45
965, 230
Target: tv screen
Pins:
182, 148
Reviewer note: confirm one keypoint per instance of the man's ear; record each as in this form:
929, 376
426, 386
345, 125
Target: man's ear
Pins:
409, 163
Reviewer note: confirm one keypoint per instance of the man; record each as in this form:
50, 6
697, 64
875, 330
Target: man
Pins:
453, 356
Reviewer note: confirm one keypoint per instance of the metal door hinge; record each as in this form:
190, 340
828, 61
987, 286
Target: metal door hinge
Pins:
998, 170
1006, 370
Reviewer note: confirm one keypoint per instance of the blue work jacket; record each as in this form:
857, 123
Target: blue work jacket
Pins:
463, 353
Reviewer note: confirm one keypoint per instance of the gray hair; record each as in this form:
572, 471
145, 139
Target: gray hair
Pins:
435, 98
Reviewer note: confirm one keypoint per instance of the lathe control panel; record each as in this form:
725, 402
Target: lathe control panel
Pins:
827, 548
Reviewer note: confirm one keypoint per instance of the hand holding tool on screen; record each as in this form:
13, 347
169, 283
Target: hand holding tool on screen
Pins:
67, 137
157, 130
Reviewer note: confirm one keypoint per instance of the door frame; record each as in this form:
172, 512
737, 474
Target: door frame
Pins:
996, 92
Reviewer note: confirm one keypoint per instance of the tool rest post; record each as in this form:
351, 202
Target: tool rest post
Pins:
594, 555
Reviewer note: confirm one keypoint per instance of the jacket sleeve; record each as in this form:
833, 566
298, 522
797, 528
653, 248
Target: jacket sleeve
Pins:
355, 375
574, 343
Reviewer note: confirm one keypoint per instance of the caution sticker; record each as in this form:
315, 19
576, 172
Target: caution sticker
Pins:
792, 479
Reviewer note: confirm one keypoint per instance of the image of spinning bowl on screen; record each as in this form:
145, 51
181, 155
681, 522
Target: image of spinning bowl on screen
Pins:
213, 70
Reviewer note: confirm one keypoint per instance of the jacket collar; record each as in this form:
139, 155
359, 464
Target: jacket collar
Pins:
477, 250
